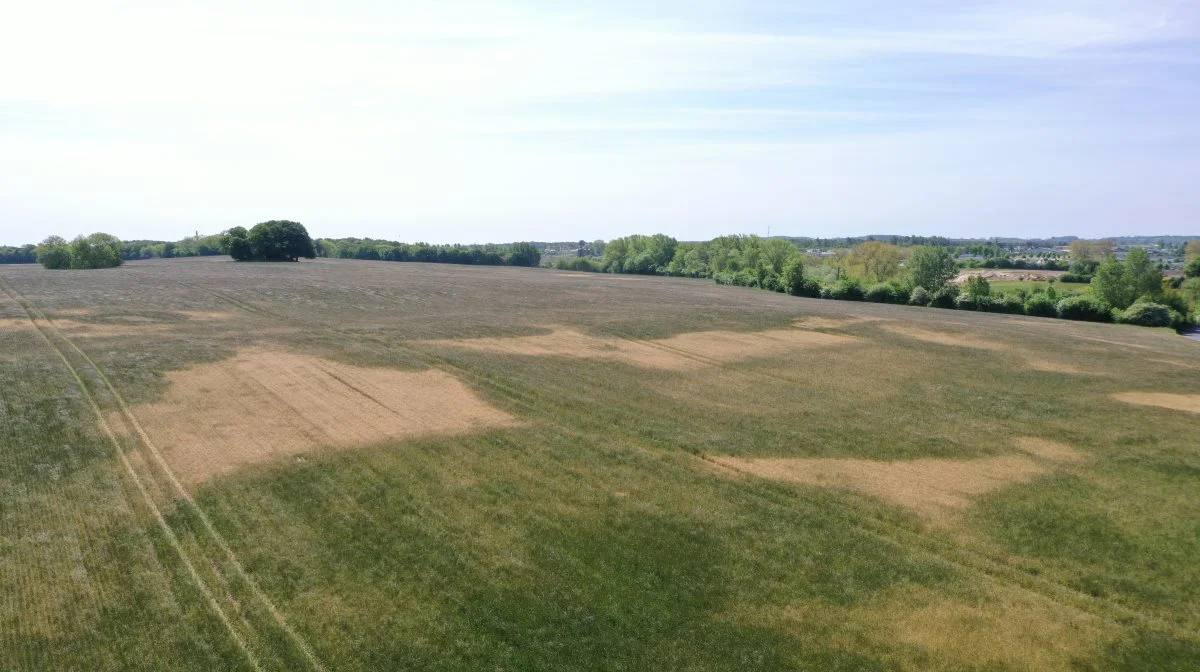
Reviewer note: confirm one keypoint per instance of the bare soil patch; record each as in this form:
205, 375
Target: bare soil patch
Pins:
1189, 403
264, 405
681, 352
1007, 276
943, 338
932, 488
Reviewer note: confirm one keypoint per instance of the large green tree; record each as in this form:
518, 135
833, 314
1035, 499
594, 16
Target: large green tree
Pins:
1111, 284
236, 243
54, 253
931, 268
1145, 277
276, 240
281, 240
524, 254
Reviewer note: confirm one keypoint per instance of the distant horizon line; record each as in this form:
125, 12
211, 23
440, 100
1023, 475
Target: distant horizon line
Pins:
871, 236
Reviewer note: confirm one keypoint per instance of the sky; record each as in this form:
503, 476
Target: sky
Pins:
498, 121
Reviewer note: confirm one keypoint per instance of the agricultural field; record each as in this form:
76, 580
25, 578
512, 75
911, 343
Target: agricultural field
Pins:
353, 465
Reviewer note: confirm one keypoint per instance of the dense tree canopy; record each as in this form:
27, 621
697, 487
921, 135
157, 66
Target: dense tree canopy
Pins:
1119, 284
276, 240
524, 254
1192, 269
98, 250
514, 254
25, 254
931, 268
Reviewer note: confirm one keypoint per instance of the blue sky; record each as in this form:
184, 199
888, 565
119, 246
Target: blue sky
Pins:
498, 121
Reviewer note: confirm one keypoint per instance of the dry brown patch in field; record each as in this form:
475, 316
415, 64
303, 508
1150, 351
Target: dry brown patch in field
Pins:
727, 346
1001, 631
1056, 367
834, 322
1189, 403
943, 338
1000, 627
932, 488
102, 329
681, 352
204, 315
1048, 450
14, 324
264, 405
1175, 362
132, 325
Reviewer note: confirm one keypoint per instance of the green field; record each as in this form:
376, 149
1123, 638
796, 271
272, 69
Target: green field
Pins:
352, 465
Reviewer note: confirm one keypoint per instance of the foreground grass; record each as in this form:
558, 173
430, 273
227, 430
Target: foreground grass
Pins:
597, 537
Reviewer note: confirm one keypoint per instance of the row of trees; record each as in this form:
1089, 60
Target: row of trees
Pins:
515, 254
98, 250
25, 254
1132, 290
194, 246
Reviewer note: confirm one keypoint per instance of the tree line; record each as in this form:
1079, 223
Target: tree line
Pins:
1132, 291
514, 254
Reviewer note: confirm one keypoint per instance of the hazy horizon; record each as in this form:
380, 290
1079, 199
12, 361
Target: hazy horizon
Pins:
501, 121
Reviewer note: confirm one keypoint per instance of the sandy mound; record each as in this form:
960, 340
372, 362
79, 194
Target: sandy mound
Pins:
942, 338
681, 352
263, 405
933, 488
1189, 403
1007, 276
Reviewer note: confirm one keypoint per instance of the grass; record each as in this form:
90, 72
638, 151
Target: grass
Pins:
594, 535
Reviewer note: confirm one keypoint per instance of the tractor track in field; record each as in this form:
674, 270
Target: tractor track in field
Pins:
969, 560
38, 318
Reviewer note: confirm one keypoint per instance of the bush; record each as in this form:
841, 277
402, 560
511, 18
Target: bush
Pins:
585, 264
743, 278
1084, 307
1146, 314
919, 296
968, 302
844, 290
1075, 277
900, 293
1041, 305
792, 278
523, 254
1006, 303
1192, 268
978, 287
944, 297
810, 288
880, 293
